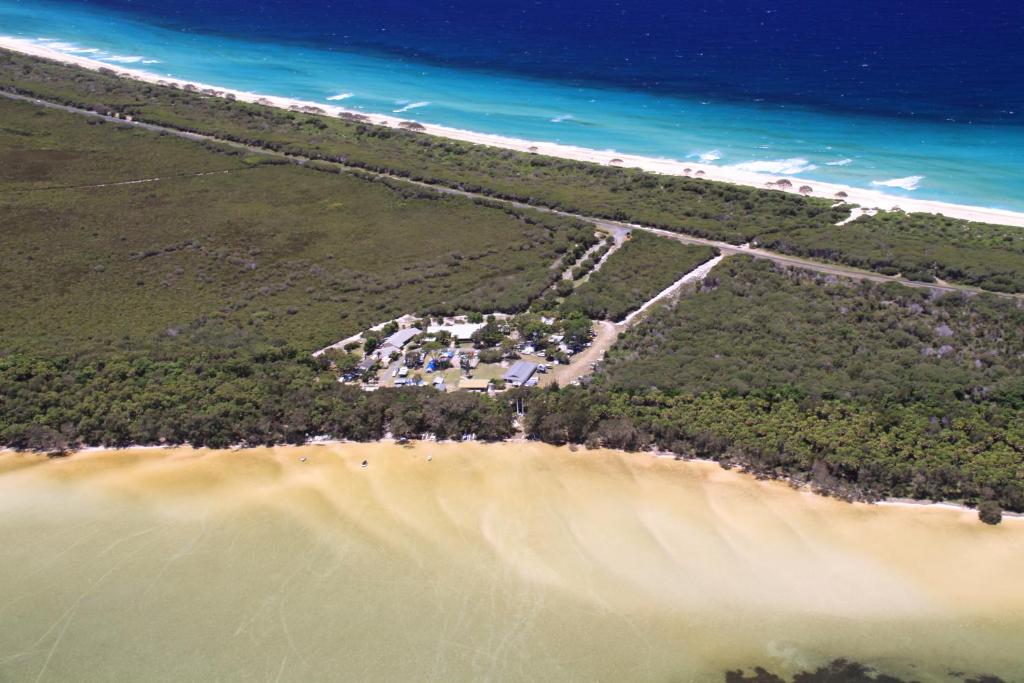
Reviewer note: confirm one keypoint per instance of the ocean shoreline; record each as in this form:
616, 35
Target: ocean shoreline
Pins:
866, 198
799, 487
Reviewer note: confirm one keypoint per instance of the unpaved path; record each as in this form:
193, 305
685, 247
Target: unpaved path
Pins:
605, 334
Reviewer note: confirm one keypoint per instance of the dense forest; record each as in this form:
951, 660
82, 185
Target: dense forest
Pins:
260, 395
690, 205
754, 327
842, 671
642, 267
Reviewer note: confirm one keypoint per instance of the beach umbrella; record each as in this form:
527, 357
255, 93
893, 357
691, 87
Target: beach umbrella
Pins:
785, 184
806, 189
532, 149
687, 171
699, 173
841, 195
769, 184
411, 125
615, 161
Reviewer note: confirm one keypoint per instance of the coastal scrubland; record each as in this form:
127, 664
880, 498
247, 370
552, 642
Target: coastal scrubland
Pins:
642, 267
891, 242
167, 291
920, 247
715, 210
222, 241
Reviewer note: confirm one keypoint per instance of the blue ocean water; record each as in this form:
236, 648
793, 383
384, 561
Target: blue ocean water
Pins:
923, 94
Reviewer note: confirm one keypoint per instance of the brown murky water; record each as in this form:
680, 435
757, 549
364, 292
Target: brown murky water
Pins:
501, 562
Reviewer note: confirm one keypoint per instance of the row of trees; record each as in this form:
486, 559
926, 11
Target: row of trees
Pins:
967, 452
267, 396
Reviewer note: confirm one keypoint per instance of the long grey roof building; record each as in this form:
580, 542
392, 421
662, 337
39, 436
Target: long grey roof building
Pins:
520, 372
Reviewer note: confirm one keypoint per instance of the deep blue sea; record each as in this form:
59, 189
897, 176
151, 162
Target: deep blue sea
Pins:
897, 95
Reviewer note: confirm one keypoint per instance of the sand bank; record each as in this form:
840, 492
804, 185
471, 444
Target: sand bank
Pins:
869, 198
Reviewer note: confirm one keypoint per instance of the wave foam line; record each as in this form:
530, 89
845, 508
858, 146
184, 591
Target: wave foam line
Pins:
413, 105
793, 166
909, 183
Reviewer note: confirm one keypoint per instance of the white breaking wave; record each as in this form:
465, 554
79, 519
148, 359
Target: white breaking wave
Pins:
908, 183
123, 59
340, 96
413, 105
792, 166
96, 53
563, 117
708, 157
841, 162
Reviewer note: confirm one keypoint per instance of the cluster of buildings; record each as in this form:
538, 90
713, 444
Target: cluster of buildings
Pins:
405, 362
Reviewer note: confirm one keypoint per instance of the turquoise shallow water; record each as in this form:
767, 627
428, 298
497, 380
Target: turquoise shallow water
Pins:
956, 162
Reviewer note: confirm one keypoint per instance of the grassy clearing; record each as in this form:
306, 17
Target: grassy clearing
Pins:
700, 207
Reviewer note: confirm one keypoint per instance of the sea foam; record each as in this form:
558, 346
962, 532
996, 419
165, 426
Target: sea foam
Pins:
708, 157
412, 105
909, 183
840, 162
340, 96
562, 117
791, 166
123, 59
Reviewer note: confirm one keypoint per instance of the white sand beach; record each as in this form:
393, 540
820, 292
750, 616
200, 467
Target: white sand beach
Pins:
866, 198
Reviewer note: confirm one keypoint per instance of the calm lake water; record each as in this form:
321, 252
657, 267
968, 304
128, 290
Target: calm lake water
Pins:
500, 562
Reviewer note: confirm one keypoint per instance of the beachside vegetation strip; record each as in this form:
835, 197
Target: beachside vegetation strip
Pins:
710, 209
634, 274
219, 398
704, 208
276, 251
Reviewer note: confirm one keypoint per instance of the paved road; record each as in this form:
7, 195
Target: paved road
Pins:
617, 228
